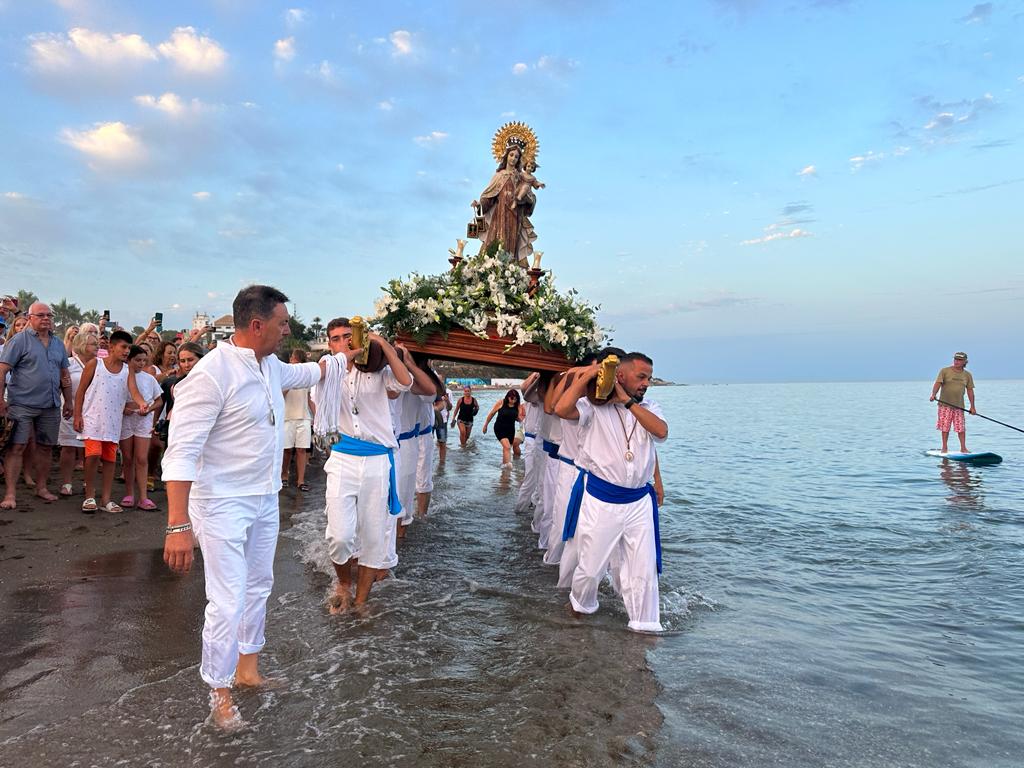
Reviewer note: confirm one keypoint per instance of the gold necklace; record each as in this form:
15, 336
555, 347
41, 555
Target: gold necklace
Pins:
629, 437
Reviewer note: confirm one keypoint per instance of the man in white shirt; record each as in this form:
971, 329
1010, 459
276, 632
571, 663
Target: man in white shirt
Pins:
616, 517
222, 470
362, 492
533, 398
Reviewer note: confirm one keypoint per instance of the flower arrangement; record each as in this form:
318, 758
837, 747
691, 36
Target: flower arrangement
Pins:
490, 287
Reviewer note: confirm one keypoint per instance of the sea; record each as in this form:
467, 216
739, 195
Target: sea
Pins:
831, 597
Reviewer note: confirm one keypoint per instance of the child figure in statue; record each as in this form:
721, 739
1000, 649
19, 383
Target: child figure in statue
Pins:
527, 181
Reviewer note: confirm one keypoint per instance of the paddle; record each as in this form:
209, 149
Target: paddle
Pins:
965, 410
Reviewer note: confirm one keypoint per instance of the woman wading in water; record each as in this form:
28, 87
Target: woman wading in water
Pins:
465, 410
509, 412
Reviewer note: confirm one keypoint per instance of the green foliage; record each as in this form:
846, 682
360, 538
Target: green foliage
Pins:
490, 288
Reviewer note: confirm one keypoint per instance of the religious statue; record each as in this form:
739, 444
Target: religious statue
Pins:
505, 206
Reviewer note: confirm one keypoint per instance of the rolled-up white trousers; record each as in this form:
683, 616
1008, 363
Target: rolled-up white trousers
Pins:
624, 532
542, 521
408, 458
238, 538
425, 464
528, 490
358, 522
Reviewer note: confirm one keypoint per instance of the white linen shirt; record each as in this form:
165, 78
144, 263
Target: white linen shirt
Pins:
569, 445
367, 393
603, 443
222, 437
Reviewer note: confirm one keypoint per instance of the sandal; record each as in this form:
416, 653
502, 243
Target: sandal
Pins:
67, 490
128, 502
303, 487
89, 505
147, 505
284, 483
113, 508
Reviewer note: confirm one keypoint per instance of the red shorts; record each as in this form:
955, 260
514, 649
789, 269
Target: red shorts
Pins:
106, 450
950, 417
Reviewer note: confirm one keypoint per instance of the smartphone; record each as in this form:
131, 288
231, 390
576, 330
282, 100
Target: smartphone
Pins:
106, 316
159, 317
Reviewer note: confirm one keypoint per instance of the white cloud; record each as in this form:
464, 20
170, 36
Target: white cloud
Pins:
212, 294
519, 68
431, 139
175, 306
107, 145
14, 195
401, 42
387, 105
170, 104
808, 170
557, 66
323, 72
791, 235
284, 50
202, 195
147, 242
193, 53
340, 167
293, 17
57, 52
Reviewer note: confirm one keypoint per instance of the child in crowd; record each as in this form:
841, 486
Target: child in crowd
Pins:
99, 407
298, 428
137, 429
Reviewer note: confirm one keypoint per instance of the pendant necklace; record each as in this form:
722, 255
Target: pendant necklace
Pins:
629, 436
355, 393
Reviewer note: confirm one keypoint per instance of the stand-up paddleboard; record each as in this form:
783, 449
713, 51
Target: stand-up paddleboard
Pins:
985, 457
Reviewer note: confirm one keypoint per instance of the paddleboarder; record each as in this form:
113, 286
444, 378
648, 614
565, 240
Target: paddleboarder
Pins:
950, 385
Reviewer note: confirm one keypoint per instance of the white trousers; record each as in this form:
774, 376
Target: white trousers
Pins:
238, 538
564, 480
425, 464
358, 522
542, 521
528, 490
624, 532
408, 458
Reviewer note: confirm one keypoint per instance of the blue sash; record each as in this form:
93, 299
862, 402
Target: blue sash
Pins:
353, 446
531, 435
551, 449
425, 430
410, 434
566, 459
609, 493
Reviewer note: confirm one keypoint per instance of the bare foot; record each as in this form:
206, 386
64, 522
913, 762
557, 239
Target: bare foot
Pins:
340, 601
382, 574
8, 503
223, 712
45, 495
572, 611
259, 681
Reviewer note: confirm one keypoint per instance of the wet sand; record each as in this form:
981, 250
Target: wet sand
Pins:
101, 646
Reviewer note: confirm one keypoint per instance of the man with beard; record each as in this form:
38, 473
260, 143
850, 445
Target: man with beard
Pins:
616, 519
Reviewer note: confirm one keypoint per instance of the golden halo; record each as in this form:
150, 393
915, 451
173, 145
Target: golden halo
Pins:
518, 133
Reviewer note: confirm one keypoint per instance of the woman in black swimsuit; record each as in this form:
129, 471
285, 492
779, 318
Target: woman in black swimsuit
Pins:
509, 412
465, 409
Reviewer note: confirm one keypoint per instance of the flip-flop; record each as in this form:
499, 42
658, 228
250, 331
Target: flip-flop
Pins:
67, 490
113, 508
89, 506
128, 502
303, 487
147, 505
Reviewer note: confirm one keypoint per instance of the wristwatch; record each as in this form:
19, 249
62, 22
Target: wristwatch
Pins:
630, 403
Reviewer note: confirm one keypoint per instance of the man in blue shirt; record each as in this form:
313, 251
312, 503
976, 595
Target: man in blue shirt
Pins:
38, 364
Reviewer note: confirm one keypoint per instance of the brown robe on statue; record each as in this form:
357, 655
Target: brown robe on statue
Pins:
507, 222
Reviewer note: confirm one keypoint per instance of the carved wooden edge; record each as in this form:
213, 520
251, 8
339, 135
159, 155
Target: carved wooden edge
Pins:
463, 347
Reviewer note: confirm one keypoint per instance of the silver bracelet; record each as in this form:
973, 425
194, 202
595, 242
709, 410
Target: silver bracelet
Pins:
179, 528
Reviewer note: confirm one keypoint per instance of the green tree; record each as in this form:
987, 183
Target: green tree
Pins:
91, 316
316, 327
26, 299
298, 329
65, 313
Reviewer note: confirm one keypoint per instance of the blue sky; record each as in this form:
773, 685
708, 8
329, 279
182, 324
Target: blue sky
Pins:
752, 190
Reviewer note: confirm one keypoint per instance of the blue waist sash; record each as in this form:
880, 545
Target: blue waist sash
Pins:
353, 446
426, 430
609, 493
410, 434
566, 459
531, 435
551, 449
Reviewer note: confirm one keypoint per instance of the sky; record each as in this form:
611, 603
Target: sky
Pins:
752, 191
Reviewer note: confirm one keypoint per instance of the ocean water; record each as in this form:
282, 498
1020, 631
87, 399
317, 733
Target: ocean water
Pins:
831, 597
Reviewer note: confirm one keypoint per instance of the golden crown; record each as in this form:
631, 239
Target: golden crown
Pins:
515, 134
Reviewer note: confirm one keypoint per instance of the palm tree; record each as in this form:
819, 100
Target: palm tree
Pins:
91, 316
26, 299
316, 327
65, 313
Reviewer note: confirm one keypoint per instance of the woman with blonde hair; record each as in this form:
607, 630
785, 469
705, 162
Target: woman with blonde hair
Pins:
83, 349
